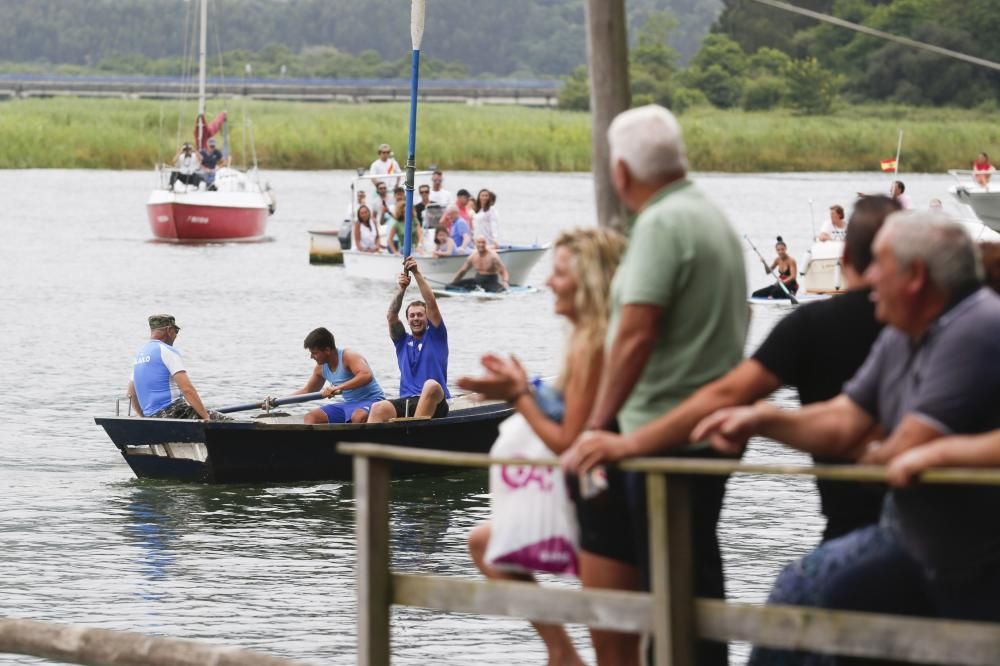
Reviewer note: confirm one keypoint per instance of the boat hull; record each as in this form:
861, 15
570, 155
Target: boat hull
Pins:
519, 261
275, 450
984, 202
819, 272
325, 248
202, 216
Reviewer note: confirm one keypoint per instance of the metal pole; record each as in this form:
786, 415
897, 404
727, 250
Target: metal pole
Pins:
607, 52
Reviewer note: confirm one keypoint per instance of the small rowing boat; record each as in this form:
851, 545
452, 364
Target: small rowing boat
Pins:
451, 291
283, 448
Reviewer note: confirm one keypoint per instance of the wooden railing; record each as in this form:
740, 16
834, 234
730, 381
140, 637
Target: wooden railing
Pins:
670, 611
71, 644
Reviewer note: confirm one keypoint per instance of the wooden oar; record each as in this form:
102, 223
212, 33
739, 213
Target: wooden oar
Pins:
290, 400
783, 286
417, 11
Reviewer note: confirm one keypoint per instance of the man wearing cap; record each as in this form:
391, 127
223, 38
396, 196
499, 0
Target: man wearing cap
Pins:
160, 386
186, 163
386, 165
211, 159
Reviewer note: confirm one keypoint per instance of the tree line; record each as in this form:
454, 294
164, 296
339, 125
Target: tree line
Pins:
346, 38
757, 57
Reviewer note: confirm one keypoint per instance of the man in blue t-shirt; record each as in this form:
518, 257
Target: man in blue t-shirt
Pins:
160, 386
211, 160
422, 354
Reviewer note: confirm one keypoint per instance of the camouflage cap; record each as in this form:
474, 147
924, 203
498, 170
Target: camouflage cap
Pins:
162, 321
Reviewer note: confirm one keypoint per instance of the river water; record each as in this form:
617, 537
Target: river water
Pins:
272, 568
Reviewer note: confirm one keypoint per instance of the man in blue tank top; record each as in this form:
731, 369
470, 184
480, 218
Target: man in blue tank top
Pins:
347, 373
422, 354
160, 386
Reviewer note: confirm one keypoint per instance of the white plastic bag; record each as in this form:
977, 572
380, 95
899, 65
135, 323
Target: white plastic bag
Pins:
534, 525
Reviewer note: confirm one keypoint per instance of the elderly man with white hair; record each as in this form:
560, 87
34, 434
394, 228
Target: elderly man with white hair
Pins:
678, 321
934, 371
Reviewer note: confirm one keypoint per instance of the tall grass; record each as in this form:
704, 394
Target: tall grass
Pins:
135, 134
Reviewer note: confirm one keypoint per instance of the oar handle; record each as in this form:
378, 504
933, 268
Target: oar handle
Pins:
290, 400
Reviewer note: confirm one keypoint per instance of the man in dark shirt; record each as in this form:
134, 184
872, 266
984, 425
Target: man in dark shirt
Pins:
815, 349
211, 159
934, 371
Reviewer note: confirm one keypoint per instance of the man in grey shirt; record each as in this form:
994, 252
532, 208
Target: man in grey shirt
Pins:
934, 370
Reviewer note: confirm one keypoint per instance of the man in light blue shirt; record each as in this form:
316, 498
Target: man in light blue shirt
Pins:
160, 386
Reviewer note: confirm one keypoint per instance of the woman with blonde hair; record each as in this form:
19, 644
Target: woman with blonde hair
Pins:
583, 263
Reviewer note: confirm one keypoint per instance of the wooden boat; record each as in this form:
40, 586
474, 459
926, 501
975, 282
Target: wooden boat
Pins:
284, 449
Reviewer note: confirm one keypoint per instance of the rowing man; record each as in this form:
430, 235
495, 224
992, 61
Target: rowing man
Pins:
422, 354
347, 373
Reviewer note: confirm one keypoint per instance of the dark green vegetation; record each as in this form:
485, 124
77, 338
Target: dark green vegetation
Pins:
340, 38
760, 58
134, 134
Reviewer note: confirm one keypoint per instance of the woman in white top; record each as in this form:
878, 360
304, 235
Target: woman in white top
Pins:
365, 231
486, 221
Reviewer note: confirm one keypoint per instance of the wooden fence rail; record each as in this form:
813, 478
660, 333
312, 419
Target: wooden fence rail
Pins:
71, 644
669, 612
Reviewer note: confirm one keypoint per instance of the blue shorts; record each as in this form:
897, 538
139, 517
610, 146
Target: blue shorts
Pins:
340, 412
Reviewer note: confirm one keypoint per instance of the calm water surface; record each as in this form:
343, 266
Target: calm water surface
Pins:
272, 568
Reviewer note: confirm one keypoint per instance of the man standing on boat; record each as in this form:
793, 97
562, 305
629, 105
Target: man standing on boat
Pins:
491, 274
348, 374
160, 387
438, 194
422, 354
678, 320
835, 229
386, 165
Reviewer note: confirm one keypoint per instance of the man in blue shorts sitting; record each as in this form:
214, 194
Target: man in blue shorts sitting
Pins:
422, 354
348, 375
160, 386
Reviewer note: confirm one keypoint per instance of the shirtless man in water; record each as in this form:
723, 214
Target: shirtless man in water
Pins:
491, 274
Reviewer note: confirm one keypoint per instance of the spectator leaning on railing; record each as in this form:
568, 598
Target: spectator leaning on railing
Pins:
934, 371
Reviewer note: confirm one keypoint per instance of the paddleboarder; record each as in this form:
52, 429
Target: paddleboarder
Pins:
787, 272
491, 274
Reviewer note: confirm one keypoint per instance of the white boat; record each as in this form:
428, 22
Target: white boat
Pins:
819, 271
519, 260
983, 200
236, 208
482, 295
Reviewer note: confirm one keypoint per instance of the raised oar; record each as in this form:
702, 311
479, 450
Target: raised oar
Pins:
417, 11
290, 400
784, 287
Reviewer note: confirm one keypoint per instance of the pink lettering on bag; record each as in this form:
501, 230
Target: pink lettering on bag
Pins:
553, 555
521, 476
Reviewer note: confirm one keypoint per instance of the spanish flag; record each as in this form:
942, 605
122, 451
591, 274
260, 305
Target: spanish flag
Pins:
889, 165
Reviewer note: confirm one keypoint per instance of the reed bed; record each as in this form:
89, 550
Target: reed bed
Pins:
78, 133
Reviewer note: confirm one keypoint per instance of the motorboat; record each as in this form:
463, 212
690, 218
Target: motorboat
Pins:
235, 207
820, 270
984, 200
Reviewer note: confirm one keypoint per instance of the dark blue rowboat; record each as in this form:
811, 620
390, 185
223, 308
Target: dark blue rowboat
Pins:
285, 450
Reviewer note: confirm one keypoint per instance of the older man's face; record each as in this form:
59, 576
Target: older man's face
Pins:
891, 284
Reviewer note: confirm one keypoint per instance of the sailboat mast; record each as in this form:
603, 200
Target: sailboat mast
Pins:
202, 47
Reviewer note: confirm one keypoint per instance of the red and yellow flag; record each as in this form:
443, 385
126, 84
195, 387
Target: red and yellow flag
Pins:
888, 165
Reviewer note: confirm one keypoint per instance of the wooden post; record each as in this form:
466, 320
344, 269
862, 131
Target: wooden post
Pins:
671, 570
607, 52
371, 488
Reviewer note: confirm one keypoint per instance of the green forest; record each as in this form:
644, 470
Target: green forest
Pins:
726, 54
500, 38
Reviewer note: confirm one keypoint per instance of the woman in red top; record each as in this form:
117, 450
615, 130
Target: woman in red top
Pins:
982, 169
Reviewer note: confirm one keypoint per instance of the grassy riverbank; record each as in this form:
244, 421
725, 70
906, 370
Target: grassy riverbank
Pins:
134, 134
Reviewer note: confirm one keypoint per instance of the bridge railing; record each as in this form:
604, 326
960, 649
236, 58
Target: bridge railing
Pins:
669, 611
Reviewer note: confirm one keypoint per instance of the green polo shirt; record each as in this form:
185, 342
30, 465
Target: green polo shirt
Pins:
682, 256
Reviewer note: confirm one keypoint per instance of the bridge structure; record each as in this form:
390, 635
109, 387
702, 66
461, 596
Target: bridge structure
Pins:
540, 92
